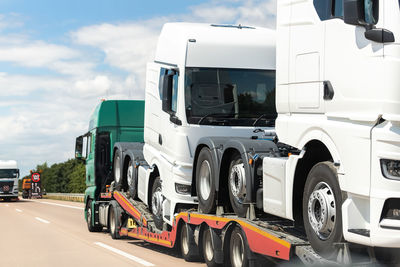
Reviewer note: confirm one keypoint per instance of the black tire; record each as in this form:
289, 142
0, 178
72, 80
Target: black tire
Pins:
189, 249
205, 184
208, 249
114, 219
91, 227
238, 249
157, 216
117, 171
237, 201
323, 209
132, 179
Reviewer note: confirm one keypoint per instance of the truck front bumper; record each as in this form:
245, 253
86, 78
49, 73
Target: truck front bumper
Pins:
8, 195
374, 220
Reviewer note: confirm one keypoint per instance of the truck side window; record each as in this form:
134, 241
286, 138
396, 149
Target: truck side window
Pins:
371, 11
323, 9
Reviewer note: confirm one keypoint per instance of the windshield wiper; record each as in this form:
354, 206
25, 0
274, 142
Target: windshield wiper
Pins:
215, 115
270, 118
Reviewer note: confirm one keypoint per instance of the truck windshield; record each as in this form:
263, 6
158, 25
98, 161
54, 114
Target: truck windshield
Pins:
8, 173
235, 97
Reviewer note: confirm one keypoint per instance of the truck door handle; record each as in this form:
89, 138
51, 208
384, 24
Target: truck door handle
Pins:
160, 139
328, 90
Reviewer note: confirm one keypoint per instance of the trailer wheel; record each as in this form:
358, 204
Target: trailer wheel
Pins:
237, 185
208, 249
189, 249
205, 184
156, 203
238, 248
89, 219
132, 180
117, 170
322, 213
114, 219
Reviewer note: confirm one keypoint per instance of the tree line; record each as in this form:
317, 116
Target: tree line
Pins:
65, 177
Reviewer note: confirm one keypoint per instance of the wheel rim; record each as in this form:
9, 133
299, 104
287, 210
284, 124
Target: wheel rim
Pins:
208, 247
156, 202
237, 181
185, 245
112, 221
117, 170
130, 173
205, 180
322, 210
237, 250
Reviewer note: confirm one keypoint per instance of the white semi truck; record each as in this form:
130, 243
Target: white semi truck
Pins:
9, 174
331, 167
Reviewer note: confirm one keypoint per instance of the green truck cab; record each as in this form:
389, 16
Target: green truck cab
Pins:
112, 121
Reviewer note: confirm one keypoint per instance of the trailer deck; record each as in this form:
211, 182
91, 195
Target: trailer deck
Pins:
269, 236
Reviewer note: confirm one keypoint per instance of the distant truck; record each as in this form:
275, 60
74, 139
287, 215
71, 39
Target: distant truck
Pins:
9, 174
111, 122
26, 187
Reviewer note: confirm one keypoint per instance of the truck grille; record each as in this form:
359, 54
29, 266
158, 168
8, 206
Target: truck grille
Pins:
6, 186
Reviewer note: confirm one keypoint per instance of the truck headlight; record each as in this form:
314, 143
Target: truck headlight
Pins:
183, 189
390, 168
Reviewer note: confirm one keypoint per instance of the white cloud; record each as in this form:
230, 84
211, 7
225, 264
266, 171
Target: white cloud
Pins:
37, 54
44, 113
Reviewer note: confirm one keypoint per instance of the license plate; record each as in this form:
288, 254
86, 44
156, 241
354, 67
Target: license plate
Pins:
6, 188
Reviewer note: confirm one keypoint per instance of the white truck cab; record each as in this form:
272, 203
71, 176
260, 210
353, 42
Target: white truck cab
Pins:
9, 174
338, 101
206, 80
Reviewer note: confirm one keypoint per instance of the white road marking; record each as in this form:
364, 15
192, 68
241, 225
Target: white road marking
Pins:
6, 205
41, 220
18, 210
126, 255
61, 205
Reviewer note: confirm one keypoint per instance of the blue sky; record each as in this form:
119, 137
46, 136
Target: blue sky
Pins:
58, 59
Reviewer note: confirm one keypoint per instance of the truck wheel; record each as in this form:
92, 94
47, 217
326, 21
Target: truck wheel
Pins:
117, 171
131, 179
156, 203
322, 212
205, 184
89, 220
208, 249
237, 186
189, 249
238, 248
114, 219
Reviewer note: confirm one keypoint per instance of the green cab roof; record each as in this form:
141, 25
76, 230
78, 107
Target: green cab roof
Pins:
122, 113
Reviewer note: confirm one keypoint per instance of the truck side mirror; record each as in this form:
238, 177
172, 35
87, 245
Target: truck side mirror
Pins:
361, 12
79, 147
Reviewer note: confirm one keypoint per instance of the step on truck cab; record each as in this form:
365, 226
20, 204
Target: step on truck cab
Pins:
9, 174
112, 121
206, 80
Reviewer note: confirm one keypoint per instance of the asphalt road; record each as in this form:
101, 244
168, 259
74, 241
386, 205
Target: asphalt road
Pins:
54, 233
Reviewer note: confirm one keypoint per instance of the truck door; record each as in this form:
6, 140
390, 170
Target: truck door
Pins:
353, 65
351, 62
103, 160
